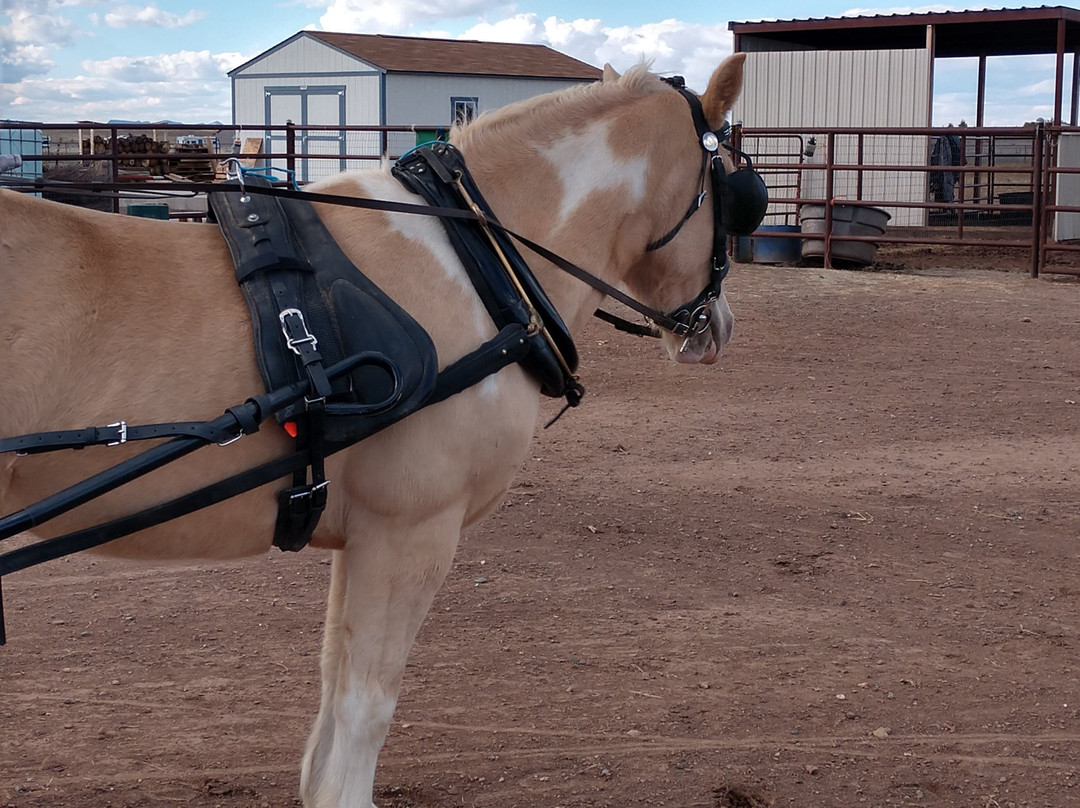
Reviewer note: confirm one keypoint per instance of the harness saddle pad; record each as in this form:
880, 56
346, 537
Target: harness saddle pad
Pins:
286, 258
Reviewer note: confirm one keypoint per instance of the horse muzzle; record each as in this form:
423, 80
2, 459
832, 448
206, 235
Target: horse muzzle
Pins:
705, 345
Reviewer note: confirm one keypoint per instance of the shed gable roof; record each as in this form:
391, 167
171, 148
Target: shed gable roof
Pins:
403, 54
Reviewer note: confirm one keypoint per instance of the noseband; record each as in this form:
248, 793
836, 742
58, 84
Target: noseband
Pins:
695, 316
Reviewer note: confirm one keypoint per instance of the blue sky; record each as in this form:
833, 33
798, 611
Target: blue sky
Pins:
67, 60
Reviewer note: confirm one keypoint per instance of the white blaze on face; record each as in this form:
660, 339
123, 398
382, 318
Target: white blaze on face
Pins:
585, 163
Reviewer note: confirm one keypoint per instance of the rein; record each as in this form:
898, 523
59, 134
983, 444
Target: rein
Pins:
162, 190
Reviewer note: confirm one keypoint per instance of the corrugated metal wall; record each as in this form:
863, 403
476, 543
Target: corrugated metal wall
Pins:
836, 88
822, 89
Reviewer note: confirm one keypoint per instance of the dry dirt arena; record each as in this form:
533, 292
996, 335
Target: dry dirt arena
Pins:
838, 569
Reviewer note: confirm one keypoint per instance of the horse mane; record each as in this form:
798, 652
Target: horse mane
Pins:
532, 117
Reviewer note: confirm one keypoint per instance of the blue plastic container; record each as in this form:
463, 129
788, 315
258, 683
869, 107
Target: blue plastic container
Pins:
761, 249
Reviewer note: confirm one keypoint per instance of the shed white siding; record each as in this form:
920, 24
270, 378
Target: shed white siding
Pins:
307, 55
809, 88
425, 98
362, 96
326, 79
309, 82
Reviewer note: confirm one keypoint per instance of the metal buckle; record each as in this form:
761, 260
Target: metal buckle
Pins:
699, 323
122, 434
309, 491
292, 341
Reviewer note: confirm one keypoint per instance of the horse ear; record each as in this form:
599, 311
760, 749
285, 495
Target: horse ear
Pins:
724, 87
610, 74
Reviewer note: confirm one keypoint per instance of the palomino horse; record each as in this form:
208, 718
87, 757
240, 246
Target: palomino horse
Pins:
106, 317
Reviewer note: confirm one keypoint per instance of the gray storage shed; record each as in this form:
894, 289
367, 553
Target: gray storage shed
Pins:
318, 77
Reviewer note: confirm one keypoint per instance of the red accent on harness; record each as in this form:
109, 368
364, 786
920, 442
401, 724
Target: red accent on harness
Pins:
290, 427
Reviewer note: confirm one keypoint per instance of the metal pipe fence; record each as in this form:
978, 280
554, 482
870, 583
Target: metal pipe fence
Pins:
132, 153
1014, 188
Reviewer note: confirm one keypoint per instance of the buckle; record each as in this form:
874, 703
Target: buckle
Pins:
121, 435
307, 490
295, 330
233, 439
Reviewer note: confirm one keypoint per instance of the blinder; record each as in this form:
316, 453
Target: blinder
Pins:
740, 200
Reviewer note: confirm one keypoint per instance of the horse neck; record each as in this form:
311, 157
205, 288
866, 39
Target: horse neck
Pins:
580, 189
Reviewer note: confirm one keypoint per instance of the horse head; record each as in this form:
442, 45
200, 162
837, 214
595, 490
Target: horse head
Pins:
684, 262
630, 177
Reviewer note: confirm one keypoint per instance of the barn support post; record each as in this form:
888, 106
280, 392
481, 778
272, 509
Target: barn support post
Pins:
114, 165
860, 140
980, 97
1038, 206
980, 145
1075, 87
1059, 72
963, 186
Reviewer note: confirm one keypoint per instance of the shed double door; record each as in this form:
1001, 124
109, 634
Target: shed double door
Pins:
308, 106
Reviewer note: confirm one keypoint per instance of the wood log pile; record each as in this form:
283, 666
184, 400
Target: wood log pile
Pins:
141, 151
154, 156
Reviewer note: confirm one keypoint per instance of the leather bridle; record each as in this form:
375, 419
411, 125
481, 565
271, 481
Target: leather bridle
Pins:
695, 316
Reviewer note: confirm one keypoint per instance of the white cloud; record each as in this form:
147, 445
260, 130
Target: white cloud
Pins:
401, 16
672, 46
183, 65
149, 17
188, 86
27, 41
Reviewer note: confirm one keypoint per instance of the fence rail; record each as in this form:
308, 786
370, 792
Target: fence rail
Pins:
1003, 187
1007, 187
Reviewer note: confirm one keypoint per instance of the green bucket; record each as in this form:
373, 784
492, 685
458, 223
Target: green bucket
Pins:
157, 210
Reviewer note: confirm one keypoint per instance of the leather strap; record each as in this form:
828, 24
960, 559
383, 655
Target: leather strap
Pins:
117, 434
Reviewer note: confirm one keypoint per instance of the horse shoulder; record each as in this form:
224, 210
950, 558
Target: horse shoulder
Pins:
460, 453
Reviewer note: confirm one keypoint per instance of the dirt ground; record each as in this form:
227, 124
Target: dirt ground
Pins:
839, 569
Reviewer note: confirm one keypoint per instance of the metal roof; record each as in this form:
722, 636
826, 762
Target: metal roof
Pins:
1005, 32
405, 54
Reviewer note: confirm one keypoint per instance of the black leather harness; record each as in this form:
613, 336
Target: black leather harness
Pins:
339, 358
311, 307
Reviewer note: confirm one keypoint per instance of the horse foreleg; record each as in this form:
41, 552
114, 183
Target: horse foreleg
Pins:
384, 582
